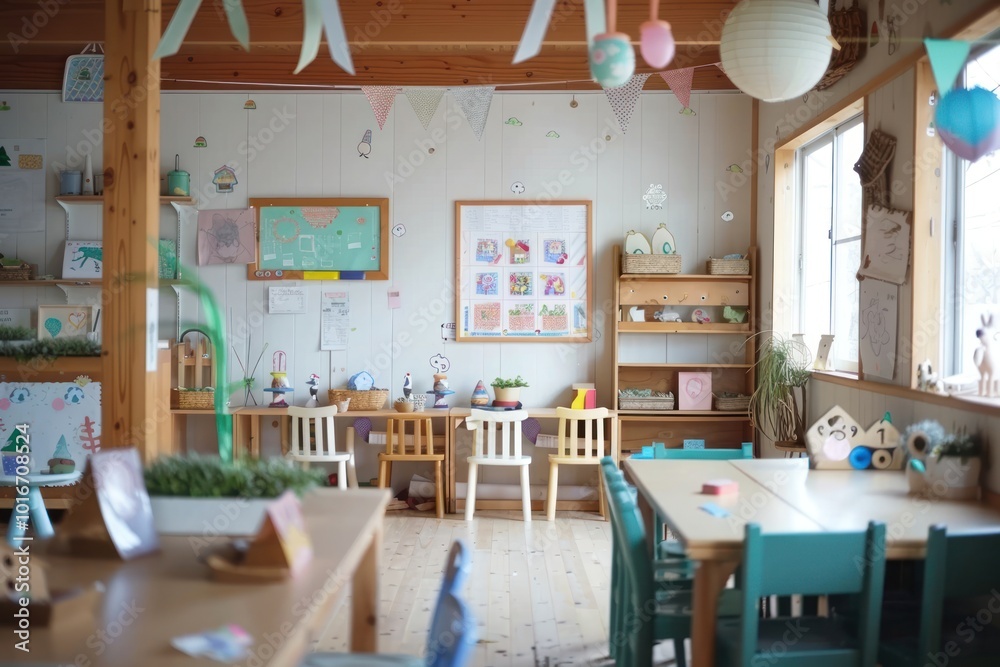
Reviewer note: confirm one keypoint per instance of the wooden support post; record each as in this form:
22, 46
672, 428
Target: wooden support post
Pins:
129, 409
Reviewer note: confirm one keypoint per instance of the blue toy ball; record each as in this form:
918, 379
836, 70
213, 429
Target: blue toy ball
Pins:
968, 121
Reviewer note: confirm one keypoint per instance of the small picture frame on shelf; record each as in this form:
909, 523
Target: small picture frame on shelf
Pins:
65, 321
83, 260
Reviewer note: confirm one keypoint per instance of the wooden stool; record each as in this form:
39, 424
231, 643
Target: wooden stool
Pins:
421, 449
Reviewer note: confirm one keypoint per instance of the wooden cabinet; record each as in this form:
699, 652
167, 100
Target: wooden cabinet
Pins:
653, 354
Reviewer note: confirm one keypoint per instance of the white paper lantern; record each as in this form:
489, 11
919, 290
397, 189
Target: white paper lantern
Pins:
776, 50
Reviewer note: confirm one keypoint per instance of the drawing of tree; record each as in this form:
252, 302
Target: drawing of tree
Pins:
4, 158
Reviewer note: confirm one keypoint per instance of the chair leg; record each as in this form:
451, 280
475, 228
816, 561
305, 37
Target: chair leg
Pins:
525, 494
679, 653
470, 495
550, 499
438, 490
381, 473
342, 475
602, 502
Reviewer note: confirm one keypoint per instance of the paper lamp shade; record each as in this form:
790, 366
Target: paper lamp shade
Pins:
612, 59
968, 121
776, 50
656, 43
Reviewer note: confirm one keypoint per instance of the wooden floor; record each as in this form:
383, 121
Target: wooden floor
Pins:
540, 591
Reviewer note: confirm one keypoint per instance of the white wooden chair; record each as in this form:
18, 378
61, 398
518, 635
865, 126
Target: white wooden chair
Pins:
488, 450
574, 451
314, 440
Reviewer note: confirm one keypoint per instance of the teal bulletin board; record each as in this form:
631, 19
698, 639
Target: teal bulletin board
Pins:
321, 239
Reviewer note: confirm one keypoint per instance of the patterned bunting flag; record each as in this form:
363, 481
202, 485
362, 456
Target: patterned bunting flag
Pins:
380, 97
623, 99
425, 102
947, 57
475, 102
679, 81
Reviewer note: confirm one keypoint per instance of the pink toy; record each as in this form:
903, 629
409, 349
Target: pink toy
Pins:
985, 357
656, 42
718, 487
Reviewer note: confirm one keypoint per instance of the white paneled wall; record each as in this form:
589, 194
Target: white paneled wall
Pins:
306, 145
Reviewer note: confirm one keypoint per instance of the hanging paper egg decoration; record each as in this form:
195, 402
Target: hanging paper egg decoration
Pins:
968, 121
775, 50
656, 41
612, 59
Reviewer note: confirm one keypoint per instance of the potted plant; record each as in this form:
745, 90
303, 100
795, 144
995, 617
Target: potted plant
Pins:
507, 390
954, 466
199, 495
778, 404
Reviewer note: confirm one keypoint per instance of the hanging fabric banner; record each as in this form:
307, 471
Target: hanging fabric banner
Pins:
177, 29
425, 102
475, 102
318, 16
680, 81
534, 30
623, 99
380, 97
596, 19
947, 57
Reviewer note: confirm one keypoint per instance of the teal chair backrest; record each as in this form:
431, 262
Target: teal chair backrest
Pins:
814, 564
676, 454
956, 566
452, 636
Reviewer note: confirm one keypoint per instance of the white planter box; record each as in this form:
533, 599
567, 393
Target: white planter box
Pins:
234, 517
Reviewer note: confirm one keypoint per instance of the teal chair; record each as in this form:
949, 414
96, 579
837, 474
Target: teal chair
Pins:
811, 564
644, 608
452, 635
960, 583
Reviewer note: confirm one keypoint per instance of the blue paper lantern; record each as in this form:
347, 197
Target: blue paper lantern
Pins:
968, 121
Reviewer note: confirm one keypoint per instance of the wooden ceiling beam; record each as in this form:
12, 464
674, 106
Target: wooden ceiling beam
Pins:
548, 71
385, 22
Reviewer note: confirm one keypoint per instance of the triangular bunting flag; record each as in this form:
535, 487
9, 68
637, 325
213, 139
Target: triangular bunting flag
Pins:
425, 102
380, 97
721, 68
475, 102
623, 99
947, 59
679, 81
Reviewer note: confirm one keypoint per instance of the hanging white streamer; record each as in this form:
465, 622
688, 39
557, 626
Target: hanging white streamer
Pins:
596, 19
534, 30
177, 29
237, 19
312, 33
336, 37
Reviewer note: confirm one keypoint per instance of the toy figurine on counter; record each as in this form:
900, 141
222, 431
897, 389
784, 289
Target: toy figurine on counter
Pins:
313, 383
407, 386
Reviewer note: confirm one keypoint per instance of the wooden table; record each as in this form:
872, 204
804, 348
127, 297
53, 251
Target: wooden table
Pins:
152, 599
452, 459
783, 495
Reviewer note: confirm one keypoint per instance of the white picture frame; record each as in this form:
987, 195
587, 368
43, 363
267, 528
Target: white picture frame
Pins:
65, 321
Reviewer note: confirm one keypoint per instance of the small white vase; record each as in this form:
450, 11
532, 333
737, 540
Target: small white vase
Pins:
88, 177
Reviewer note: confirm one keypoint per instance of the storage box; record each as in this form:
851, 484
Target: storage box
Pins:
731, 267
651, 264
694, 391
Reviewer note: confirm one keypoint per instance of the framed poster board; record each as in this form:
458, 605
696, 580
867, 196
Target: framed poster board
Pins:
320, 239
524, 271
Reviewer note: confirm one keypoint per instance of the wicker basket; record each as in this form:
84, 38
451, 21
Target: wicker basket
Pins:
192, 400
651, 264
373, 399
646, 403
849, 27
20, 271
728, 267
740, 402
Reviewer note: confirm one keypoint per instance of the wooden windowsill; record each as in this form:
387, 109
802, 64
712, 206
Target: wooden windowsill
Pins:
968, 403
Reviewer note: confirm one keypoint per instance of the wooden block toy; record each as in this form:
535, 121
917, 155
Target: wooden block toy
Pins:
585, 396
718, 487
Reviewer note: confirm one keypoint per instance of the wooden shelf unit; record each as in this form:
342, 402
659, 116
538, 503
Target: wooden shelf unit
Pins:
731, 370
99, 199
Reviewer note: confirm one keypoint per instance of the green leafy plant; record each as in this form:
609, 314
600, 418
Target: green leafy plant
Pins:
959, 445
210, 477
782, 371
501, 383
16, 333
52, 347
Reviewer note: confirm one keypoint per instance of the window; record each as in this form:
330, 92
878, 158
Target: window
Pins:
828, 240
974, 260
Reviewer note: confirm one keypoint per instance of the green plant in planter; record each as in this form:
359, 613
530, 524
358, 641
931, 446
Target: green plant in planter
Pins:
211, 477
959, 445
782, 371
50, 348
16, 333
501, 383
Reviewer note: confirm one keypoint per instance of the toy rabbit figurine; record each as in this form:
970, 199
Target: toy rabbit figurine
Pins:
313, 381
987, 359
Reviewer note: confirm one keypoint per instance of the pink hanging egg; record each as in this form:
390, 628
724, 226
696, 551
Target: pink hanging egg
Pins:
656, 43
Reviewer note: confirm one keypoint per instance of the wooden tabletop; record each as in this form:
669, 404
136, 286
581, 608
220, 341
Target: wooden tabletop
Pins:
540, 413
152, 599
673, 490
849, 499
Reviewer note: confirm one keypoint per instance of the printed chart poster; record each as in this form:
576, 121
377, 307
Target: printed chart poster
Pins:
22, 185
524, 271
